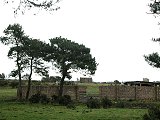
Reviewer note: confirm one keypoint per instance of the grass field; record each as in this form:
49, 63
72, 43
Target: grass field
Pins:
27, 111
7, 93
92, 88
17, 111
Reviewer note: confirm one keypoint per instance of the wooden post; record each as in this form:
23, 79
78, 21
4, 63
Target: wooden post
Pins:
116, 91
100, 91
76, 91
155, 88
135, 92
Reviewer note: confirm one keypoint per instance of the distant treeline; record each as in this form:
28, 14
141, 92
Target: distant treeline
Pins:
14, 83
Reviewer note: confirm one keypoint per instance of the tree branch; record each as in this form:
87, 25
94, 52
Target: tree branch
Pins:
43, 4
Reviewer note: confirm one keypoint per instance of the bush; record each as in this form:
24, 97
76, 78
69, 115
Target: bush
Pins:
120, 104
35, 98
133, 104
14, 84
54, 99
71, 106
106, 103
64, 100
44, 98
39, 98
3, 83
153, 113
93, 103
146, 117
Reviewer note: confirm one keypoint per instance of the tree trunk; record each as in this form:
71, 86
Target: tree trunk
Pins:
64, 72
28, 89
20, 81
29, 80
20, 90
61, 86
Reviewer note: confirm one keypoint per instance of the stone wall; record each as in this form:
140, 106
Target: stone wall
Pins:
76, 92
116, 92
130, 92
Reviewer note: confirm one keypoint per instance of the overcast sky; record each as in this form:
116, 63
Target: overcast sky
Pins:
118, 33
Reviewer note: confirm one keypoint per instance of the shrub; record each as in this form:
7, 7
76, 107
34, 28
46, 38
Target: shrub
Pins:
3, 83
44, 98
120, 104
35, 98
64, 100
138, 104
35, 82
71, 105
14, 84
93, 103
153, 113
54, 99
146, 117
133, 104
106, 103
39, 98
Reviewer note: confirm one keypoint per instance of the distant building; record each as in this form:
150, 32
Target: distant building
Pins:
142, 83
86, 80
139, 83
146, 79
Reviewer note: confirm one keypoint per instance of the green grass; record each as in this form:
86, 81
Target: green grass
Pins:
26, 111
17, 111
7, 93
92, 88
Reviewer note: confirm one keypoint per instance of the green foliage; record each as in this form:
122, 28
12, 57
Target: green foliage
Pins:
35, 52
69, 56
27, 52
71, 105
2, 76
72, 55
153, 113
120, 104
35, 98
106, 103
44, 99
52, 79
117, 82
39, 98
14, 84
133, 104
153, 59
3, 83
155, 7
64, 100
14, 36
69, 83
96, 103
35, 82
54, 99
93, 103
18, 111
9, 83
